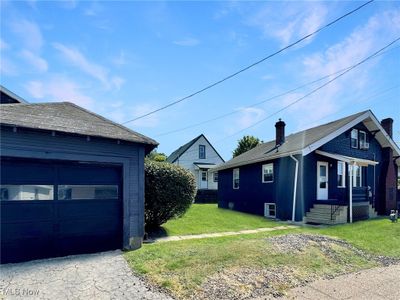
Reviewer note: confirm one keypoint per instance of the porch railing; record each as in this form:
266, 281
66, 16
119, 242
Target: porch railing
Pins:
334, 209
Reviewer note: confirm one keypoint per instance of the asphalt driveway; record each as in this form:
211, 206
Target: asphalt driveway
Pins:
94, 276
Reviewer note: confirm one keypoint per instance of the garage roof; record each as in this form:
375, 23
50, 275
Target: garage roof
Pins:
68, 118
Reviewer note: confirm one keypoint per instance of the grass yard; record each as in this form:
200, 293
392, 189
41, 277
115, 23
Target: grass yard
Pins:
208, 218
191, 267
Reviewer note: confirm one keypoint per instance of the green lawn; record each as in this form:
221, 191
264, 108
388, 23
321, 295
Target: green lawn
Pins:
208, 218
182, 267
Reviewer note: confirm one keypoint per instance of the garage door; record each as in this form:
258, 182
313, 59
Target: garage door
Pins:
53, 209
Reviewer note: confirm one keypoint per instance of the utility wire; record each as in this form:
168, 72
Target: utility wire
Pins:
315, 90
252, 65
261, 102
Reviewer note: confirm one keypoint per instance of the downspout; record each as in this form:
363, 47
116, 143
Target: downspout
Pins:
296, 172
351, 192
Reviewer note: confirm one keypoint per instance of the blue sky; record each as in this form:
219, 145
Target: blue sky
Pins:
123, 59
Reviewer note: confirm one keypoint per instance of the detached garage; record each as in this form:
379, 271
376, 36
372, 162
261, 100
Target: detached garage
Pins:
71, 182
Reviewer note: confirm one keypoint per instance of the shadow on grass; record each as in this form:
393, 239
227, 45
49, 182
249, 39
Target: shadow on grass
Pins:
154, 233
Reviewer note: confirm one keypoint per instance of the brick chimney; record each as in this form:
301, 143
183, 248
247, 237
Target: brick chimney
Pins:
280, 132
388, 176
387, 124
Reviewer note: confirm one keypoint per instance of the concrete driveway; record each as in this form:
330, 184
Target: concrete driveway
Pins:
93, 276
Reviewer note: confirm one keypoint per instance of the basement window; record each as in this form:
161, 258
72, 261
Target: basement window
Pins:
341, 174
354, 138
270, 210
236, 178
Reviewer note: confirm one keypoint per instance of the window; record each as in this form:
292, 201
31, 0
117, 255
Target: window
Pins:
398, 178
26, 192
341, 174
215, 176
202, 151
74, 192
270, 210
363, 140
268, 173
354, 138
236, 178
357, 179
203, 175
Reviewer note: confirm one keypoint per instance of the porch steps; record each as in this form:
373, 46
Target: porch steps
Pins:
372, 212
321, 214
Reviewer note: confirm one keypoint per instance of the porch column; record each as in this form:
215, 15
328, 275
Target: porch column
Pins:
351, 192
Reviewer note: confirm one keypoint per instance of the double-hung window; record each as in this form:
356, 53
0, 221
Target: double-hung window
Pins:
354, 138
202, 151
268, 173
215, 176
236, 178
363, 140
341, 174
357, 179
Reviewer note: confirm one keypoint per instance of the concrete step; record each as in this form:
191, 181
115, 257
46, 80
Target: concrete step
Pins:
326, 211
319, 221
327, 206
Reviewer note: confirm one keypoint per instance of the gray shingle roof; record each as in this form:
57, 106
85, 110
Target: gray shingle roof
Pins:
69, 118
293, 143
182, 149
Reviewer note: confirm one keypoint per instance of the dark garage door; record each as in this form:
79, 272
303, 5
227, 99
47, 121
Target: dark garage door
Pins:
54, 209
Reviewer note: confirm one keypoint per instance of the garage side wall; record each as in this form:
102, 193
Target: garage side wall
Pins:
25, 143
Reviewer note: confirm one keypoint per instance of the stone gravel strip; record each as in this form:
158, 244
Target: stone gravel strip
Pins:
97, 276
220, 234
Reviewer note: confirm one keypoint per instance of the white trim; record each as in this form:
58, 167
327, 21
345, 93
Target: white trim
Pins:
319, 164
262, 172
348, 159
267, 215
357, 138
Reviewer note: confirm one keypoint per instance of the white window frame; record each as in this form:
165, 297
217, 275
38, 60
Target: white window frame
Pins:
357, 168
267, 208
265, 168
363, 141
215, 176
354, 138
200, 152
343, 183
235, 173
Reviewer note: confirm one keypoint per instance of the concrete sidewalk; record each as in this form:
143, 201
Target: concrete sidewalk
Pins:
377, 283
220, 234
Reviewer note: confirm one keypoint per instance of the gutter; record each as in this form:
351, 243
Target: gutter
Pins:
296, 172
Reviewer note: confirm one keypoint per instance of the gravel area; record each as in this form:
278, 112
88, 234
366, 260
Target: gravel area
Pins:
270, 283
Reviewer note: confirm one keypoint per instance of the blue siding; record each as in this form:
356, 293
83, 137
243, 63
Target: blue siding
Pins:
252, 194
26, 143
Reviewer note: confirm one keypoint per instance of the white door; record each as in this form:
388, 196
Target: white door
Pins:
322, 180
203, 179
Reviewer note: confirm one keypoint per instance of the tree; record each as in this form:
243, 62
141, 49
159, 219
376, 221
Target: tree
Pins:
169, 192
245, 144
156, 156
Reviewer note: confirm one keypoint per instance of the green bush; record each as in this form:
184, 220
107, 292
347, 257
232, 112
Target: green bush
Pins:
169, 192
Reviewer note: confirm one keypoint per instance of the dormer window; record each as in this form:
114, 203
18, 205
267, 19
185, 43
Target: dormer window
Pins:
354, 138
202, 151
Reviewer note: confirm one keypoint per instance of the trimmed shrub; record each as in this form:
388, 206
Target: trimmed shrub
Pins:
169, 192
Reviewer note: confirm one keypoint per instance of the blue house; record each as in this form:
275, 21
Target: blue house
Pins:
71, 181
335, 173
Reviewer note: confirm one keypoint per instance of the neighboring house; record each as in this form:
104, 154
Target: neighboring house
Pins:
8, 97
334, 173
71, 182
199, 157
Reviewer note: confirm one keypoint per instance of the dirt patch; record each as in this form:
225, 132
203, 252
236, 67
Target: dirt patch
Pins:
268, 283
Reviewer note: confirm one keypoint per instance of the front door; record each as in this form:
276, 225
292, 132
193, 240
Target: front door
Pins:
322, 180
203, 179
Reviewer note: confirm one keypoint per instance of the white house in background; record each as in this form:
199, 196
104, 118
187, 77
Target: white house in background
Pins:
199, 156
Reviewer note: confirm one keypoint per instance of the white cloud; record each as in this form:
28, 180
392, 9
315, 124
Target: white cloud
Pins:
187, 42
59, 88
76, 58
293, 21
248, 116
3, 45
7, 67
120, 59
30, 34
139, 110
36, 61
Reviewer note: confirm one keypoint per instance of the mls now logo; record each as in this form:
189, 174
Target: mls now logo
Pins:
22, 292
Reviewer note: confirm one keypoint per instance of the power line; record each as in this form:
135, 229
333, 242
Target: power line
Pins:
315, 90
251, 65
261, 102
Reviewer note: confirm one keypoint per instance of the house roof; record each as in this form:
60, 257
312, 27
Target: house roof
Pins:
308, 140
182, 149
8, 97
68, 118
